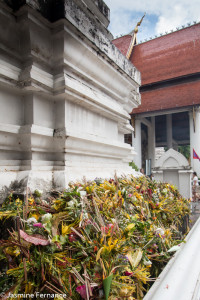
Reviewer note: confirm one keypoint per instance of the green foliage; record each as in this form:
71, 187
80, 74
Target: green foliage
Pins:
133, 165
37, 194
6, 282
185, 150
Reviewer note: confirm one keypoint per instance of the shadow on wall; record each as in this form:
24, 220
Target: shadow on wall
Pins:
51, 9
16, 187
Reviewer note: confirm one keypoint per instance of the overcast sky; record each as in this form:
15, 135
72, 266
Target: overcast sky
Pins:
161, 16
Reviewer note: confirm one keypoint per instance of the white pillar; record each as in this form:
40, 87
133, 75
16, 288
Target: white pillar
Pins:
195, 139
137, 144
151, 142
169, 131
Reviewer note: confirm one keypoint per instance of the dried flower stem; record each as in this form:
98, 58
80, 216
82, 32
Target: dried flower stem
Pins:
80, 235
25, 270
78, 275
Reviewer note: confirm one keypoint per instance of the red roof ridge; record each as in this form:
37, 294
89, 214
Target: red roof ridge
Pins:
159, 35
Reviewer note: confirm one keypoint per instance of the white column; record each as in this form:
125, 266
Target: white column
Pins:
195, 139
151, 142
169, 131
137, 144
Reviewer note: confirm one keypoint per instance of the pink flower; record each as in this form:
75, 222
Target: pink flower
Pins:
82, 291
110, 225
130, 195
105, 229
40, 225
128, 273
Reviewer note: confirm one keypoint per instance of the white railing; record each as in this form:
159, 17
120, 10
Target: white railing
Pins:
180, 279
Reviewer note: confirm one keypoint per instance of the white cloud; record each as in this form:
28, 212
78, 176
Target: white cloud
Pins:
167, 15
122, 22
178, 15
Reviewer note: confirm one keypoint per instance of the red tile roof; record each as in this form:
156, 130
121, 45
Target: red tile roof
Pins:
122, 43
181, 95
162, 59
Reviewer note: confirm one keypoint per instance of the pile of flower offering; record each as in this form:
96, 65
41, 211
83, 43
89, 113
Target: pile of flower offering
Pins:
103, 239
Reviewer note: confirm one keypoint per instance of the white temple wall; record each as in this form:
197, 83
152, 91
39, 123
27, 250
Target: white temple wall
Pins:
137, 144
9, 98
43, 111
65, 93
84, 121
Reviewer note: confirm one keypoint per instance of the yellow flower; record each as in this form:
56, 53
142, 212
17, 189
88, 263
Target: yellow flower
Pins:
31, 201
35, 215
13, 251
130, 226
18, 202
111, 245
127, 216
168, 233
124, 292
142, 274
66, 229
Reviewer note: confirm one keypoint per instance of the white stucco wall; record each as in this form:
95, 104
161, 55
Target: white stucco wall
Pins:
65, 93
172, 167
137, 144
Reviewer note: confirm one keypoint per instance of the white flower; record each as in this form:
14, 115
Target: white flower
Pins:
160, 231
85, 216
44, 202
174, 248
71, 203
147, 262
31, 220
113, 221
46, 218
83, 193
